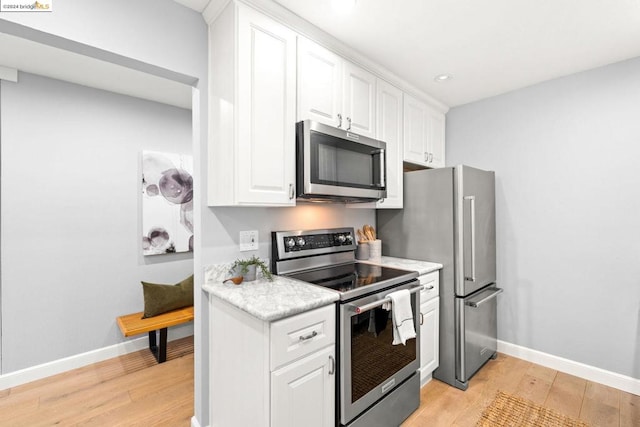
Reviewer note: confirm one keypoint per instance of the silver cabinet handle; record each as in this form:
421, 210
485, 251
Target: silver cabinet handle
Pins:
430, 157
339, 120
308, 337
421, 318
428, 288
332, 369
291, 192
472, 202
349, 121
426, 156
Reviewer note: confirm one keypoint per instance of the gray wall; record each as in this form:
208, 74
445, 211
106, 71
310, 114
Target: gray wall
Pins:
70, 239
565, 153
163, 34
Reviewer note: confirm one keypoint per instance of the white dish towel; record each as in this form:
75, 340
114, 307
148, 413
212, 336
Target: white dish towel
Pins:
401, 316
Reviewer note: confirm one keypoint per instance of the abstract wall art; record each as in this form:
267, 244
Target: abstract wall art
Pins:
167, 203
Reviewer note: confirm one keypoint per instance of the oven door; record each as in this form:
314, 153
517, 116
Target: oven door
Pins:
370, 366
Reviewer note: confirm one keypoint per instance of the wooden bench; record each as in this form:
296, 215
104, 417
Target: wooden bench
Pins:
134, 324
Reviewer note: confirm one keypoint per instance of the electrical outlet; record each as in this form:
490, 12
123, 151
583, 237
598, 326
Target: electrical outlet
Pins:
249, 240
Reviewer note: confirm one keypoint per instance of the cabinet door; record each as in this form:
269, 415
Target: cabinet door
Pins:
430, 336
319, 83
303, 392
266, 111
359, 97
436, 139
389, 129
415, 130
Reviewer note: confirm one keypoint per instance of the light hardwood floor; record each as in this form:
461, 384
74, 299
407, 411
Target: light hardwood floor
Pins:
133, 390
593, 403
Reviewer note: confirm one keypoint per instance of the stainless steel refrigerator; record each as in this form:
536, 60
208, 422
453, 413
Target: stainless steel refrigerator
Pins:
449, 218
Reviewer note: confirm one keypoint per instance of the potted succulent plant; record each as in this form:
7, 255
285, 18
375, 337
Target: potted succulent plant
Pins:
247, 268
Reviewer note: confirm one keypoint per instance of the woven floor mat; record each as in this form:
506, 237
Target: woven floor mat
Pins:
512, 411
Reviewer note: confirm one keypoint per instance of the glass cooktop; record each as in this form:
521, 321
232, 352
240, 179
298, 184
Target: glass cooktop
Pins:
355, 279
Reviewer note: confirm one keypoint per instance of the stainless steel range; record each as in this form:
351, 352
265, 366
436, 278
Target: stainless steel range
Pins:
378, 382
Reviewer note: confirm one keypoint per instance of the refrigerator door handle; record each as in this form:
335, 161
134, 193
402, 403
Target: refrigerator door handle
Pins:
476, 304
472, 205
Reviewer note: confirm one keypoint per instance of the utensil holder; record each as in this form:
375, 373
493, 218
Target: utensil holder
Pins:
362, 251
375, 250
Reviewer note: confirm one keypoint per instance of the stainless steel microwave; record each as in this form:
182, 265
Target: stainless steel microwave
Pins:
338, 165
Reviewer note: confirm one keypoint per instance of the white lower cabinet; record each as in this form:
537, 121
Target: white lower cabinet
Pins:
302, 393
271, 374
429, 325
429, 329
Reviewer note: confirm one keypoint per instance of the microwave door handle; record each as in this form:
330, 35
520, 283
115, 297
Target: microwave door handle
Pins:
383, 170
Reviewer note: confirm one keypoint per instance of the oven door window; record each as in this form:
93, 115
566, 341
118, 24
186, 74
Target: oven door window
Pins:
344, 163
373, 358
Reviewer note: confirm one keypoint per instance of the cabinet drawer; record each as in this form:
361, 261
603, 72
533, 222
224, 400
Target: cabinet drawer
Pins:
431, 284
297, 336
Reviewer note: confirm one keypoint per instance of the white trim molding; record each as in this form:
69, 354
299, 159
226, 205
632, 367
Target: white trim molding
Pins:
9, 74
591, 373
23, 376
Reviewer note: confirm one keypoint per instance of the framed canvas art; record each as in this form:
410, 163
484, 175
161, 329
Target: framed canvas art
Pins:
167, 203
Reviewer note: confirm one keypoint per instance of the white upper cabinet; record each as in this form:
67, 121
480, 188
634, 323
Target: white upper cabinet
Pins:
252, 110
424, 129
389, 129
319, 83
359, 100
334, 91
436, 141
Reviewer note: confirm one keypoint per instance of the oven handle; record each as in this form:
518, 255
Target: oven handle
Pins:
359, 309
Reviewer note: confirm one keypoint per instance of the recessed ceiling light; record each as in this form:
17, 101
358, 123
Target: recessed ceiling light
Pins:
343, 6
442, 78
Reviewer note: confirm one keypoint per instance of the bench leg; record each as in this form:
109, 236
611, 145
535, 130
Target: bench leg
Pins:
152, 342
160, 352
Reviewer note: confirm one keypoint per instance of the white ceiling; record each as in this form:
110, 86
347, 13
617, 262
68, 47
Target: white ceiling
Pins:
489, 47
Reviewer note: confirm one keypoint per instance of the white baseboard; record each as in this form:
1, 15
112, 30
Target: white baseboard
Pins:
194, 422
54, 367
591, 373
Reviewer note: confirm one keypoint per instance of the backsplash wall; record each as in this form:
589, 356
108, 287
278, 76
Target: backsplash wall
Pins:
229, 221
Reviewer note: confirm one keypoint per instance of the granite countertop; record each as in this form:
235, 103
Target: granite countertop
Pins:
264, 299
422, 267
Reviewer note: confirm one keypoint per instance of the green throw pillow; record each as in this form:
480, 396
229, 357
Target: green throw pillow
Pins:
159, 299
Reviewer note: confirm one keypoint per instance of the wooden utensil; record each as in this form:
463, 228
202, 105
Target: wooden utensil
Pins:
368, 232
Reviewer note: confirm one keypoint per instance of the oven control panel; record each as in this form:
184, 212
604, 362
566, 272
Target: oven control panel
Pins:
316, 241
293, 244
